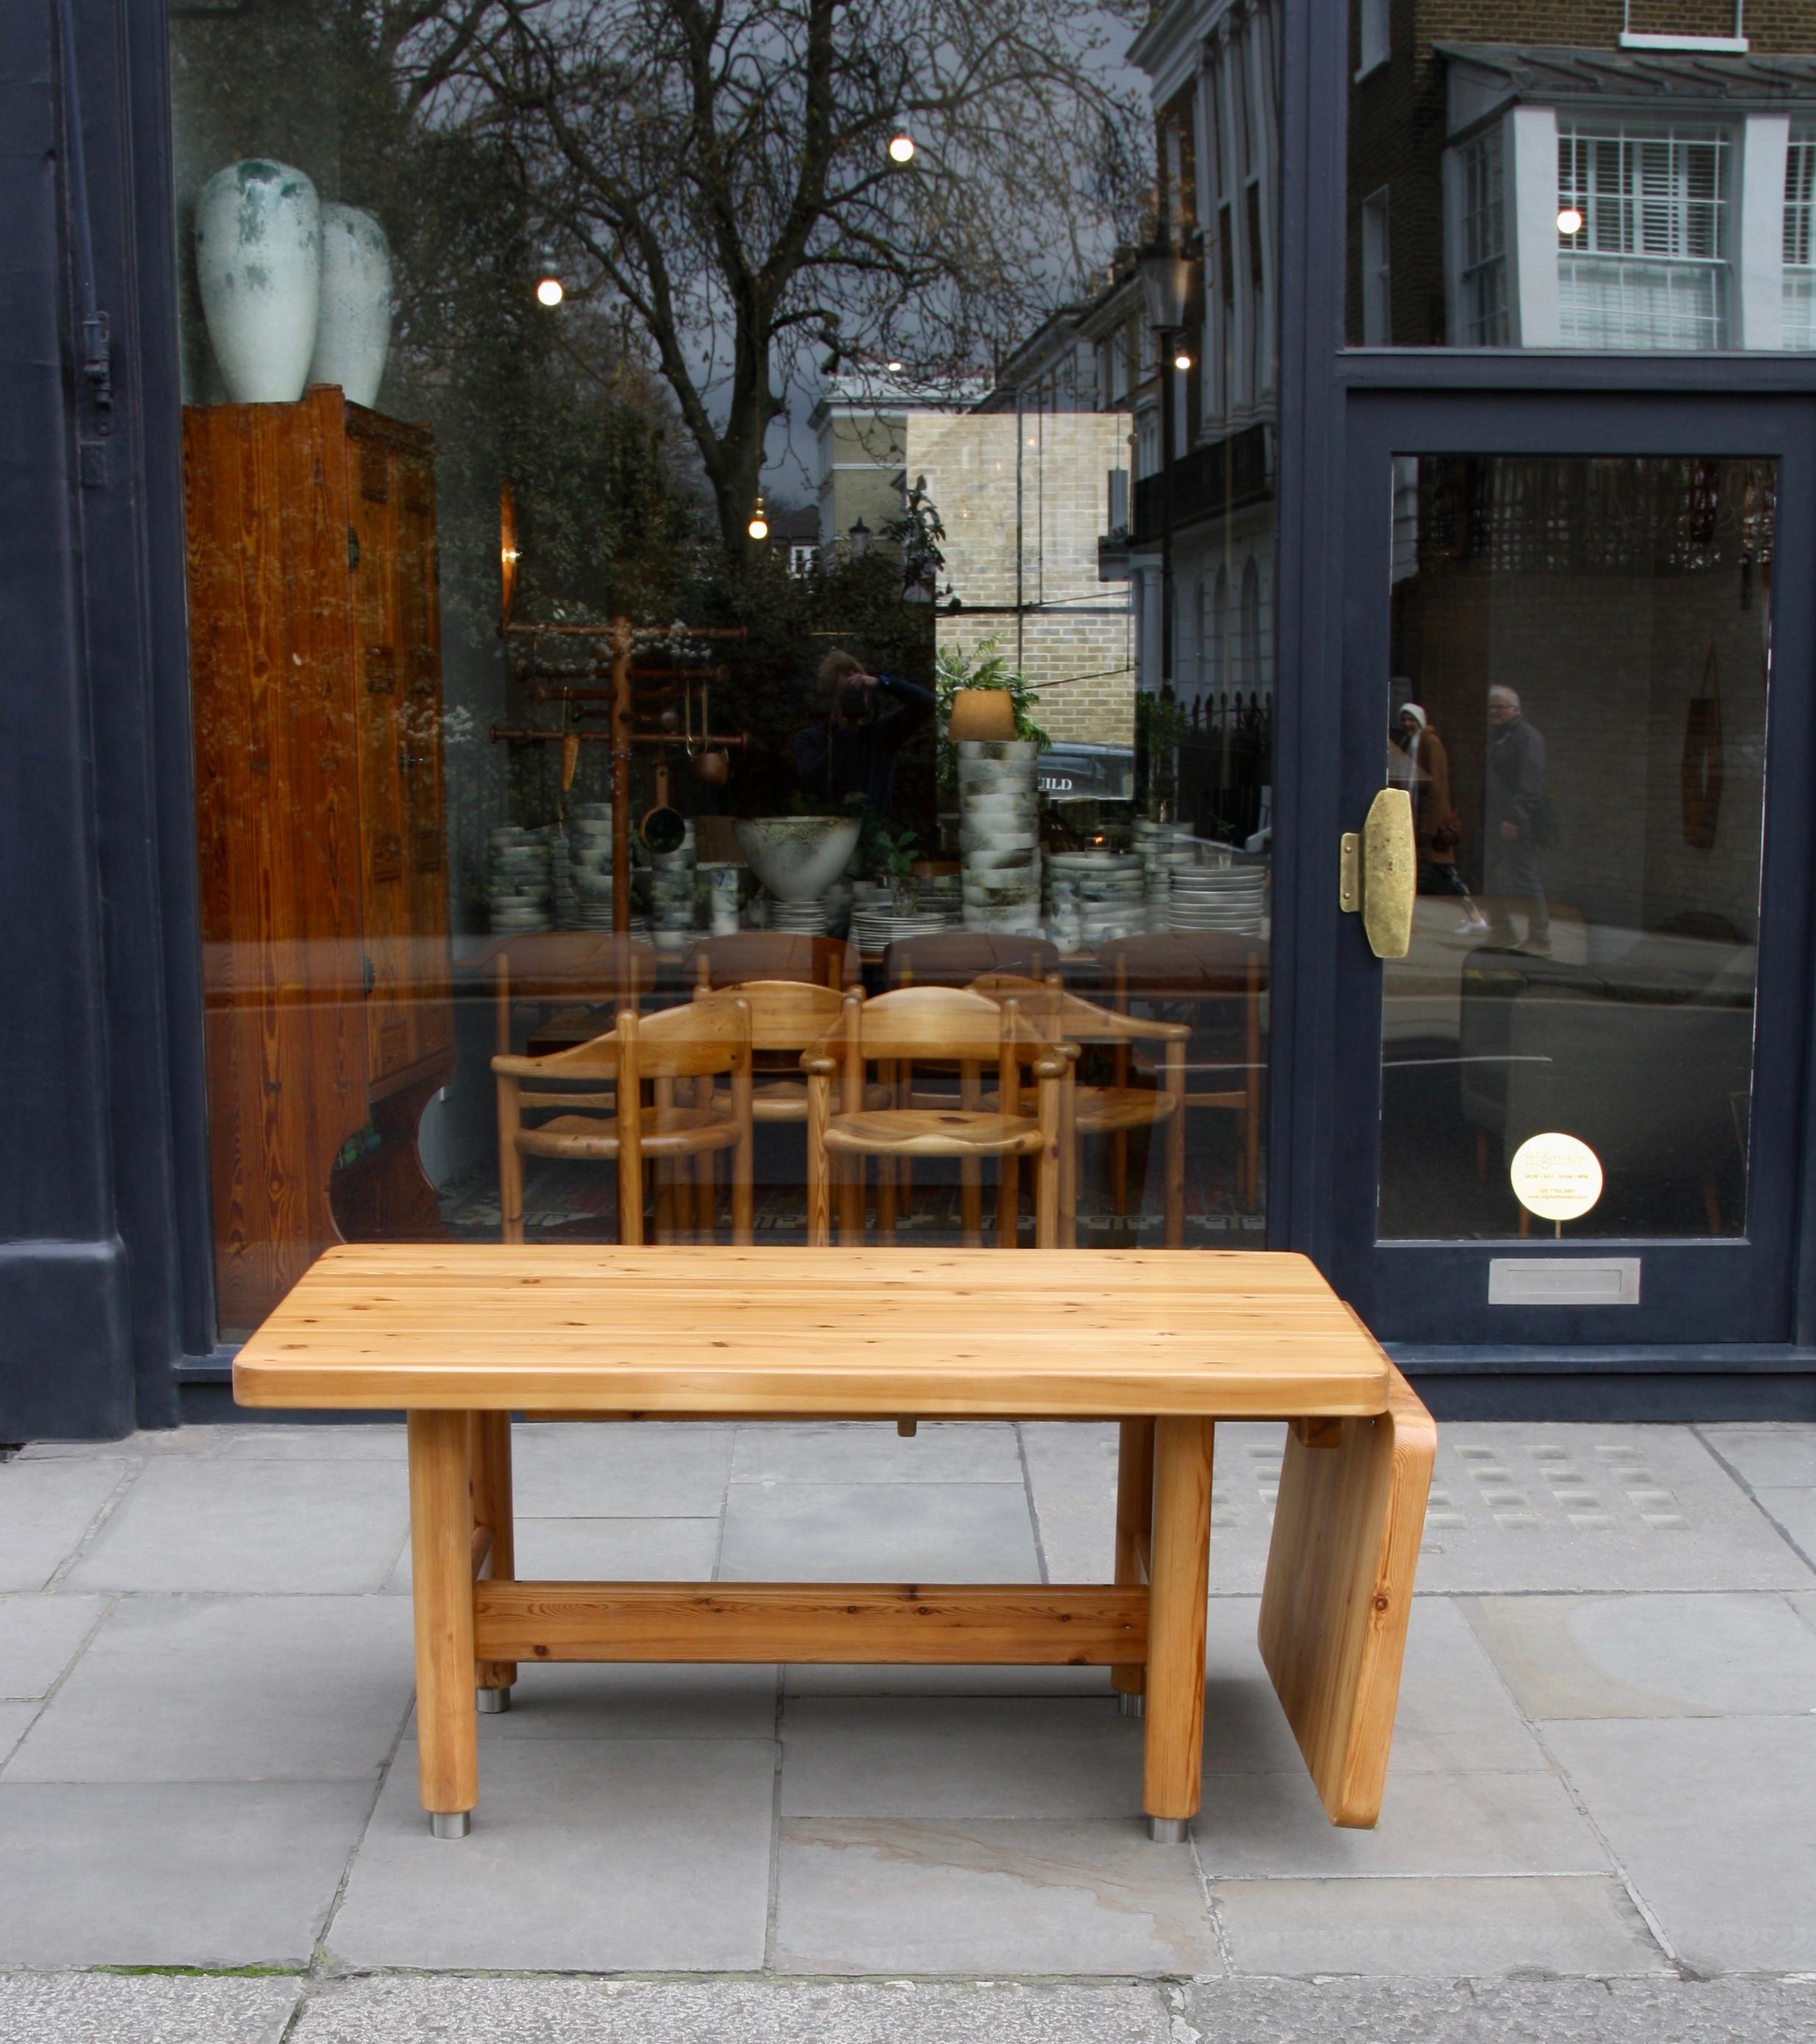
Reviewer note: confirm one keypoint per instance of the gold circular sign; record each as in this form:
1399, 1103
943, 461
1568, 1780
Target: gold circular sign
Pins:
1558, 1177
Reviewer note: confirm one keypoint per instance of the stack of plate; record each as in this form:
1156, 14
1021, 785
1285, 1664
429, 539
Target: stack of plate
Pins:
672, 887
1110, 888
590, 863
519, 888
1218, 898
872, 915
800, 919
999, 835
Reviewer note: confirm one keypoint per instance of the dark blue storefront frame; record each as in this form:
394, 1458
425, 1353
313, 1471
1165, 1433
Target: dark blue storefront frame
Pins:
105, 1286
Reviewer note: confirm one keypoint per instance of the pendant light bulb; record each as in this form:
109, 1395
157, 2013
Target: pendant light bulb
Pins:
758, 526
1570, 220
901, 146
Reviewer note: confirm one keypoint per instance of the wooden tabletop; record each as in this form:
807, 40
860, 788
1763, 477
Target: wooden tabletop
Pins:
809, 1332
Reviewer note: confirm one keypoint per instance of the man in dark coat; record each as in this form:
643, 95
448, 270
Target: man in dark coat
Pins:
1517, 812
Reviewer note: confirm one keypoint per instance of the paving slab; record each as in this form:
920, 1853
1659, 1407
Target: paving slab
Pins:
212, 1524
1782, 1456
630, 1550
40, 1636
865, 1451
1794, 1513
1708, 1655
182, 1688
1576, 1923
882, 1532
976, 1896
381, 2011
142, 2008
1713, 1820
1410, 2011
1455, 1715
15, 1720
637, 1699
965, 1679
942, 1757
378, 1441
153, 1441
45, 1508
1273, 1826
161, 1873
637, 1855
621, 1470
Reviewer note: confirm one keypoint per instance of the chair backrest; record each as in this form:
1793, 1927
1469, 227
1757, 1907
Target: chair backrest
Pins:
947, 1023
1060, 1016
787, 1014
770, 955
567, 965
955, 957
702, 1037
1201, 966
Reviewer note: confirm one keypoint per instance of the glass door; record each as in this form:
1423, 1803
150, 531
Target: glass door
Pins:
1576, 703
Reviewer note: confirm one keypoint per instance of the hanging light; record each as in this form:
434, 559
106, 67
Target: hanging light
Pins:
1182, 358
859, 535
1166, 284
894, 368
981, 713
901, 146
1569, 221
549, 289
758, 526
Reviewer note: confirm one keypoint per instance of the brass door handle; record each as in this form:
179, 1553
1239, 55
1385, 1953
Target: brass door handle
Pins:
1378, 876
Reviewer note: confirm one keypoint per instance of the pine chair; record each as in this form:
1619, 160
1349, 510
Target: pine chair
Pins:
1114, 1110
1218, 981
898, 1030
766, 954
677, 1055
590, 977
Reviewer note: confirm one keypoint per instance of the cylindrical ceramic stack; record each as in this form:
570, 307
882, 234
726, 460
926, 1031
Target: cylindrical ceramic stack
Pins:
672, 880
518, 885
564, 900
590, 863
1229, 895
999, 835
720, 877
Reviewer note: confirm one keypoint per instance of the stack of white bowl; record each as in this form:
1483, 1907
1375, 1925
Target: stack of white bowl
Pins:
564, 900
590, 863
999, 835
518, 886
1165, 848
1225, 897
1109, 895
673, 881
801, 919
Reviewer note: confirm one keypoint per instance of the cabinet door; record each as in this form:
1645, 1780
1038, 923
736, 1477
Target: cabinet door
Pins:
382, 685
425, 859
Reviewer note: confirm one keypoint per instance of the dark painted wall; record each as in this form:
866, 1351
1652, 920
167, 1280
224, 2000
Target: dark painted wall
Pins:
100, 1117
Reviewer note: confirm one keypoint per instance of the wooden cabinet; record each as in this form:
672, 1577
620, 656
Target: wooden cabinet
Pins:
315, 677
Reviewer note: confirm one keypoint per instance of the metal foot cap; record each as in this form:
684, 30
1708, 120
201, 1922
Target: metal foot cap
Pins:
450, 1823
492, 1701
1129, 1706
1168, 1831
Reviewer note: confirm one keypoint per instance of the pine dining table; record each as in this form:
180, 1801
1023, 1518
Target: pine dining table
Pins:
1164, 1343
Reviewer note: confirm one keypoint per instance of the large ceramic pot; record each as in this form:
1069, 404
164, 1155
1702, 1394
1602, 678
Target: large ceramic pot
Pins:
797, 857
353, 333
258, 262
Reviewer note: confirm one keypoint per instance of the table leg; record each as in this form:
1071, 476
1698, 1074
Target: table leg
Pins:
1178, 1583
492, 1509
1134, 1526
441, 1556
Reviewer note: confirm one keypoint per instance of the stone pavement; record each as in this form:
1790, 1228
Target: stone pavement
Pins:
1600, 1820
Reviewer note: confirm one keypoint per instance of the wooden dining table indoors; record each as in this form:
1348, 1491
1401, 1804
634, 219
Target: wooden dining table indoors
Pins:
1164, 1343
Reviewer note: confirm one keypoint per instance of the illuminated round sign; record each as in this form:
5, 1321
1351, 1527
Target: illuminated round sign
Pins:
1558, 1177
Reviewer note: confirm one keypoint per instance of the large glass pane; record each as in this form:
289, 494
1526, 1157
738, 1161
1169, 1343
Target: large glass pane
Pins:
432, 454
1579, 672
1583, 174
